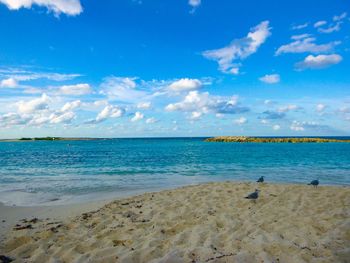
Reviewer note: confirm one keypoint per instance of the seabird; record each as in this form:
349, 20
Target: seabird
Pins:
253, 195
315, 183
260, 180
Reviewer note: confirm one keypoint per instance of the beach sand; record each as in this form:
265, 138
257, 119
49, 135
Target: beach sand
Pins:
11, 215
204, 223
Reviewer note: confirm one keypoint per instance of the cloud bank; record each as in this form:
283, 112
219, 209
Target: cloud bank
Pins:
306, 45
270, 79
318, 62
68, 7
229, 57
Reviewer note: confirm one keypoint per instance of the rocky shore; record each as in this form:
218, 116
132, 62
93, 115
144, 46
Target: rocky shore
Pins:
245, 139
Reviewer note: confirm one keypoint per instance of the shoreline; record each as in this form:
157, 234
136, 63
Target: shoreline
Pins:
236, 138
13, 214
113, 195
251, 139
53, 139
189, 222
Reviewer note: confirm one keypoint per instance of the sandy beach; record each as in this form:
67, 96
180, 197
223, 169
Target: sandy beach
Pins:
10, 215
204, 223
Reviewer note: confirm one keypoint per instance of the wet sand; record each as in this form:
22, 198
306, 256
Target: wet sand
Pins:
204, 223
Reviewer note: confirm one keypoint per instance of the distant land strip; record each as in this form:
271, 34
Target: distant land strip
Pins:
245, 139
50, 139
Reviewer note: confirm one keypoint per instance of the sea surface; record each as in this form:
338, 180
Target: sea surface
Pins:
60, 172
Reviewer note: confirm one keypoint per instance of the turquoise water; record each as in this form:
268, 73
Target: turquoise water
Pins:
46, 172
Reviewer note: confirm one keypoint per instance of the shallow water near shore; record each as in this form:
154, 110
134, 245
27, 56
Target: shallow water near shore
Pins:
60, 172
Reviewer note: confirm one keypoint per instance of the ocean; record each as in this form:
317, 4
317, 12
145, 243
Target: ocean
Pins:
62, 172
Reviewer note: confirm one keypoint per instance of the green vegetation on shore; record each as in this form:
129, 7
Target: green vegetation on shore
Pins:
244, 139
28, 139
41, 139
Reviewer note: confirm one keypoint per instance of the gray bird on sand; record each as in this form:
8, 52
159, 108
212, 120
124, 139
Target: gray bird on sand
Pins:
261, 179
315, 183
253, 195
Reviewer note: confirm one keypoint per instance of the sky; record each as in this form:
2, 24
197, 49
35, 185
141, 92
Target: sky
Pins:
164, 68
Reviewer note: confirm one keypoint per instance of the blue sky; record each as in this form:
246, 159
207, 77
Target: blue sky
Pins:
133, 68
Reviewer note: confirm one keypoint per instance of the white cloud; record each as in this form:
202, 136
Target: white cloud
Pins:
99, 103
65, 117
340, 17
76, 90
234, 71
332, 28
138, 116
344, 112
195, 115
185, 84
318, 62
31, 90
69, 106
273, 115
12, 119
25, 75
228, 57
151, 120
306, 45
321, 107
269, 102
270, 79
195, 101
240, 121
344, 109
144, 105
320, 23
290, 107
297, 126
276, 127
54, 118
38, 120
68, 7
298, 37
301, 26
310, 125
36, 112
8, 83
110, 111
194, 3
280, 113
122, 89
34, 105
